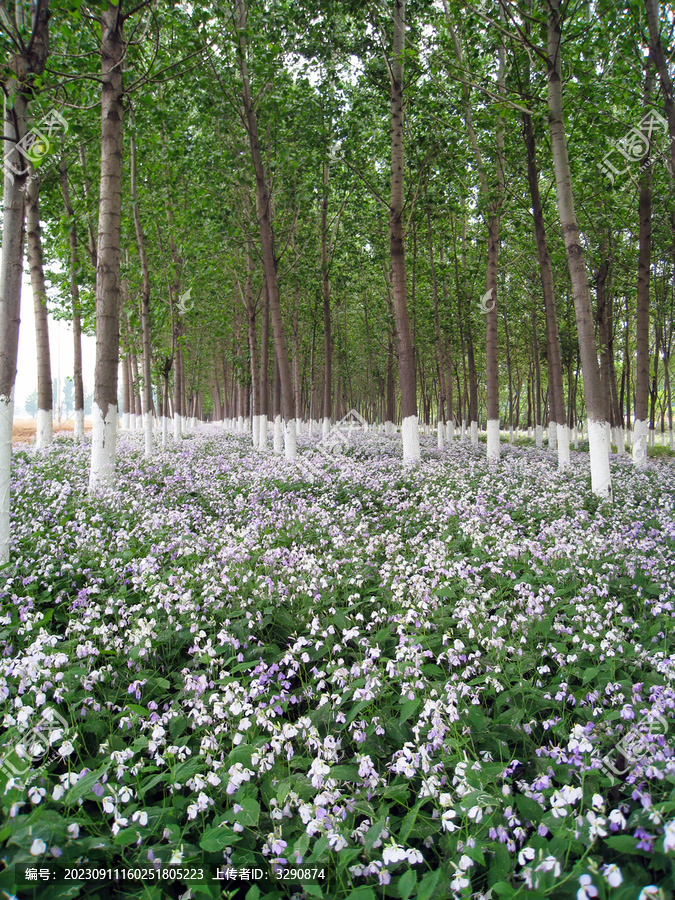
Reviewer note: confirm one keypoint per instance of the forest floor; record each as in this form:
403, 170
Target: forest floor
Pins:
450, 681
25, 429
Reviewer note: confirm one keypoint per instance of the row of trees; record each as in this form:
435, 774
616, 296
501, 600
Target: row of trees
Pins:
286, 210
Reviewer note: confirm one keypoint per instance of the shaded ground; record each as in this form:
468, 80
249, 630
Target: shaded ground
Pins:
24, 429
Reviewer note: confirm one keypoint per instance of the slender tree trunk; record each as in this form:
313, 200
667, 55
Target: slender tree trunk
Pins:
253, 349
661, 64
276, 408
75, 294
105, 421
642, 307
37, 278
406, 361
16, 94
599, 452
546, 275
325, 290
440, 352
145, 297
267, 240
264, 354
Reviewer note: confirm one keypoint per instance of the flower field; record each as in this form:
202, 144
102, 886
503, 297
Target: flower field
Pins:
448, 681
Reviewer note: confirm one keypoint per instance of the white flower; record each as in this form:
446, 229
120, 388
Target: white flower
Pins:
465, 862
65, 749
336, 841
73, 830
612, 875
140, 816
587, 890
414, 857
526, 855
651, 892
318, 770
38, 847
550, 864
118, 824
669, 837
446, 823
176, 857
393, 854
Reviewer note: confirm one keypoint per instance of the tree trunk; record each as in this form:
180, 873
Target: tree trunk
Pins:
145, 297
75, 294
325, 290
406, 362
599, 451
104, 431
546, 275
37, 278
267, 240
264, 354
17, 95
642, 308
661, 64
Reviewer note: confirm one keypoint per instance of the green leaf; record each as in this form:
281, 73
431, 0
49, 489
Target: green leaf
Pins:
406, 884
374, 832
249, 814
215, 839
428, 885
407, 710
362, 893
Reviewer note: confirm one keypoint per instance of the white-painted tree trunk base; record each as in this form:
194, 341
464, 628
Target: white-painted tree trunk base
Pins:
6, 421
44, 432
440, 441
176, 427
147, 429
325, 430
290, 439
493, 440
262, 437
474, 434
450, 431
389, 427
670, 440
165, 431
620, 438
552, 436
652, 437
78, 427
601, 479
639, 454
255, 433
563, 446
278, 435
538, 437
240, 425
125, 421
529, 433
410, 437
103, 446
193, 424
510, 433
